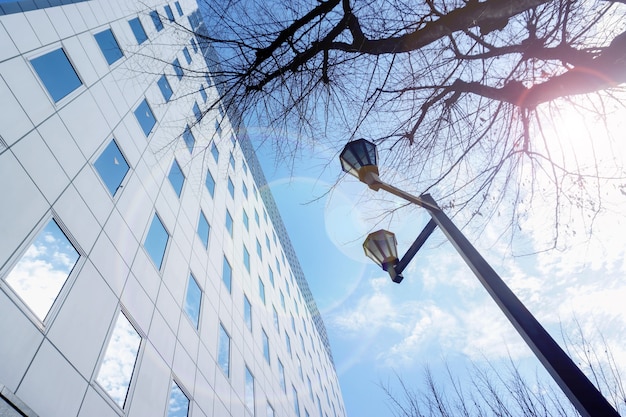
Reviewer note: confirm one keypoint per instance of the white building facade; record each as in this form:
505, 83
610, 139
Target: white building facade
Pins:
144, 268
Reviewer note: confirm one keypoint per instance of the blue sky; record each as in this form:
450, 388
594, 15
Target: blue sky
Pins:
439, 315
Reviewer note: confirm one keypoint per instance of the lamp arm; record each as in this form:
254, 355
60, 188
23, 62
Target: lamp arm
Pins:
375, 183
419, 242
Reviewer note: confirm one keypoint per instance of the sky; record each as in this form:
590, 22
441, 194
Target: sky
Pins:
440, 316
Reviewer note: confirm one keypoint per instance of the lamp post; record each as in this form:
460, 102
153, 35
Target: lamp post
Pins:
359, 158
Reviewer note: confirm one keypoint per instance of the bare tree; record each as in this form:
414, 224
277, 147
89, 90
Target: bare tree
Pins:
460, 93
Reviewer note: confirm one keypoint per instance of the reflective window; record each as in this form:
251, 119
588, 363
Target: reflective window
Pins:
43, 269
218, 128
288, 342
282, 299
247, 312
203, 94
178, 69
165, 88
138, 30
187, 55
193, 301
189, 139
249, 391
145, 117
108, 45
266, 346
169, 13
229, 223
319, 406
178, 9
296, 403
246, 221
271, 274
270, 411
267, 242
256, 217
116, 370
293, 323
261, 290
194, 45
223, 351
246, 258
156, 241
208, 79
276, 324
245, 167
310, 387
281, 375
299, 366
244, 188
112, 167
203, 229
215, 152
227, 273
156, 19
56, 73
259, 251
210, 183
197, 112
231, 188
178, 405
231, 160
176, 177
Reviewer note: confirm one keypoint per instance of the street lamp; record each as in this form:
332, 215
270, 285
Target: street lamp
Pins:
359, 158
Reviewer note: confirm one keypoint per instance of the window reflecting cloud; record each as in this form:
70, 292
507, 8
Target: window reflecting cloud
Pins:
179, 403
117, 367
41, 272
193, 300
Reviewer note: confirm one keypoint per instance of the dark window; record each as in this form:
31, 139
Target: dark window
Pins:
156, 19
109, 46
178, 69
231, 188
165, 88
145, 117
169, 13
189, 139
203, 94
187, 55
112, 167
227, 274
203, 229
215, 152
197, 112
138, 30
178, 8
57, 73
229, 223
210, 183
193, 301
194, 45
176, 177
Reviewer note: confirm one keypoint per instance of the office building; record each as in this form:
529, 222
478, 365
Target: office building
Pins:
144, 268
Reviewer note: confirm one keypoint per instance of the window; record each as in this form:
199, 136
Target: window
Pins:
43, 269
112, 167
288, 342
231, 188
116, 370
288, 288
208, 79
267, 242
247, 312
189, 139
281, 375
165, 88
138, 30
232, 138
293, 323
145, 117
231, 160
282, 300
193, 301
246, 258
156, 241
244, 188
223, 351
261, 290
256, 217
271, 274
169, 13
178, 405
203, 229
187, 55
178, 9
308, 380
229, 223
156, 19
197, 112
218, 128
319, 405
276, 324
245, 167
56, 73
227, 273
246, 221
194, 45
210, 183
109, 46
176, 178
270, 411
178, 69
203, 94
296, 403
259, 251
249, 391
266, 346
215, 152
299, 367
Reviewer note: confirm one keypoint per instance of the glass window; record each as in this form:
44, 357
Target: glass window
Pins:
245, 167
249, 391
299, 366
203, 94
194, 45
178, 9
229, 223
203, 229
246, 221
270, 411
176, 177
178, 405
210, 183
43, 269
319, 405
223, 353
116, 370
169, 13
165, 88
218, 128
208, 79
231, 160
156, 241
288, 342
244, 188
232, 139
197, 112
231, 188
276, 323
271, 274
308, 380
178, 69
282, 299
108, 45
296, 403
112, 167
246, 258
227, 273
261, 290
247, 312
145, 117
293, 324
187, 55
259, 251
215, 152
265, 216
288, 288
281, 376
138, 30
266, 346
156, 19
193, 301
189, 139
256, 217
56, 73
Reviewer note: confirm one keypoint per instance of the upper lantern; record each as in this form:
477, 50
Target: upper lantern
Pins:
359, 157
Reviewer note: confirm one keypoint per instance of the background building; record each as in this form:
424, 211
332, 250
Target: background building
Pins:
144, 268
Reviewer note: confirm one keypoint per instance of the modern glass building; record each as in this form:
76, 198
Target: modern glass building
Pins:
144, 267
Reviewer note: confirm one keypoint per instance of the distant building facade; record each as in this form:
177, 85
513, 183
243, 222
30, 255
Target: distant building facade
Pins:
144, 268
